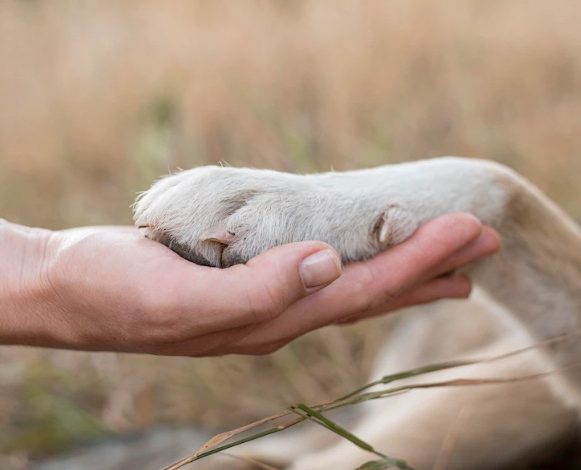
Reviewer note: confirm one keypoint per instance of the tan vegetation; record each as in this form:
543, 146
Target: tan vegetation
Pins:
100, 97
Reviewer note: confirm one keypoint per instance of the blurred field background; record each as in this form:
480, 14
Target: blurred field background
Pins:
97, 98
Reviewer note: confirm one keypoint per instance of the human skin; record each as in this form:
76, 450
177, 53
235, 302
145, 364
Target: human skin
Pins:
110, 289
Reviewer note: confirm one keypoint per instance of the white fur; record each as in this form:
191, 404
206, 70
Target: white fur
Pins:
535, 282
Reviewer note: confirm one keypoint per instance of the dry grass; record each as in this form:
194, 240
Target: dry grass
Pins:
99, 97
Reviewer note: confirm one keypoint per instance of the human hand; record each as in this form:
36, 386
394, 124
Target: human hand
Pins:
108, 288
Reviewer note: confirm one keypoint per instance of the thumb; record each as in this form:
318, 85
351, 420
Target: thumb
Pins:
277, 278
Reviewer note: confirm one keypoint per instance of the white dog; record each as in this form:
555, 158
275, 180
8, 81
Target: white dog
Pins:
528, 293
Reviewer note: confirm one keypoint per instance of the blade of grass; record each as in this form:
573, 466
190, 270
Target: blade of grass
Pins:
453, 364
352, 401
384, 464
313, 415
200, 455
214, 446
446, 383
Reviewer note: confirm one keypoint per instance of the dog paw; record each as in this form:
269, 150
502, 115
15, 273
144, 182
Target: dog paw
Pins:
219, 216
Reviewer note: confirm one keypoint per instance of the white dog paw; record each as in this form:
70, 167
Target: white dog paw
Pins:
223, 216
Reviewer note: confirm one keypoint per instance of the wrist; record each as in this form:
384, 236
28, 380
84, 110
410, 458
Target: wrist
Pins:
27, 301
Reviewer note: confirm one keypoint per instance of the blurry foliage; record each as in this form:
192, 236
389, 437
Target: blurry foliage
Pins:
52, 424
101, 97
155, 140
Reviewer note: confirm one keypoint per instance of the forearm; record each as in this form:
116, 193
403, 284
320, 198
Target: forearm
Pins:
26, 303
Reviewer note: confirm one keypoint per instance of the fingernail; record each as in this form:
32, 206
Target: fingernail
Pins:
320, 269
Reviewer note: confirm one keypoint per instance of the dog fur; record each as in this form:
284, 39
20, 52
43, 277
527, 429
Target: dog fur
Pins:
528, 293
